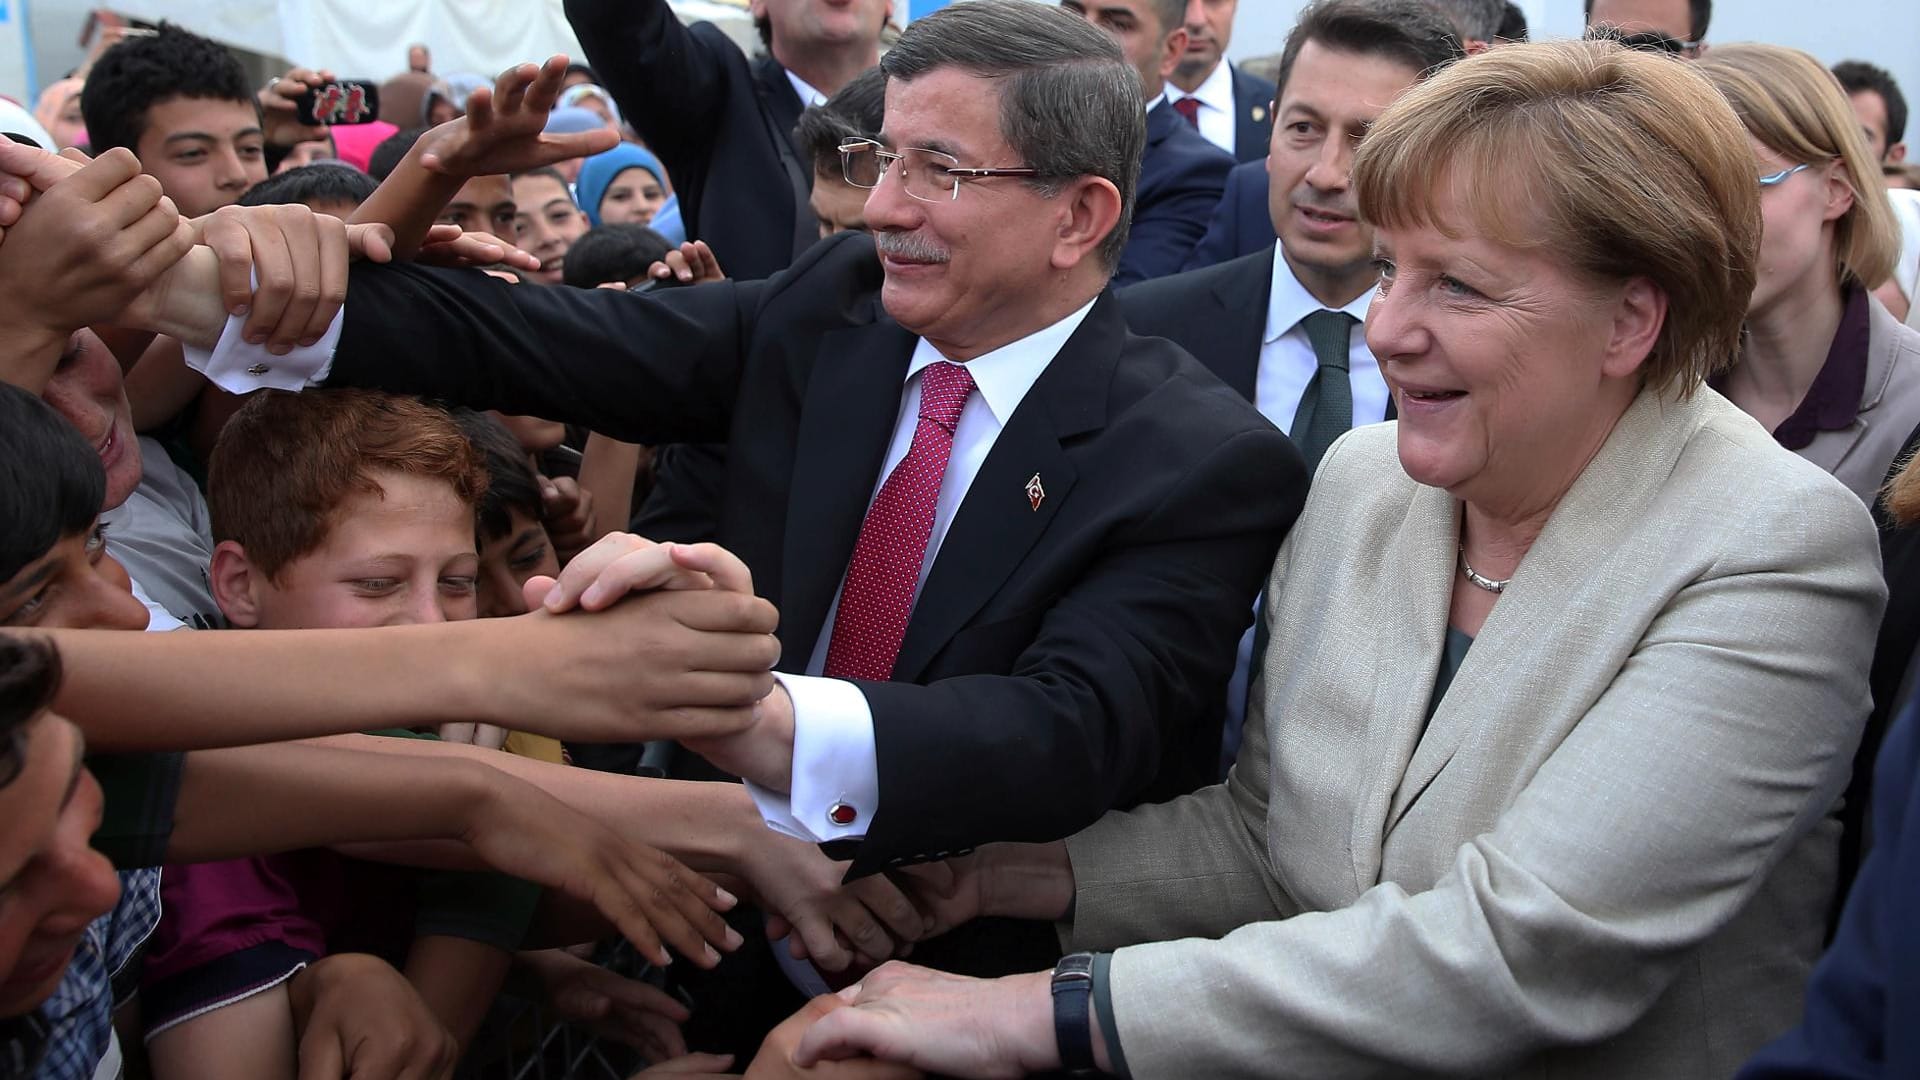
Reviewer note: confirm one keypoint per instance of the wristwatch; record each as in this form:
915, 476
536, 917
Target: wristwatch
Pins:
1073, 1012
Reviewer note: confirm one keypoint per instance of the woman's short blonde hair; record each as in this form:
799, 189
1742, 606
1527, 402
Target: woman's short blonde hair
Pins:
1796, 108
1625, 164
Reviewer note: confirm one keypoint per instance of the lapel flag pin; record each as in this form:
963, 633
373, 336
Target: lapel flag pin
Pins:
1035, 493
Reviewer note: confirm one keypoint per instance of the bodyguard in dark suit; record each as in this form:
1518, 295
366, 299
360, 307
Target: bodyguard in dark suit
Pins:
1241, 224
721, 123
1011, 543
1181, 173
1232, 109
1283, 325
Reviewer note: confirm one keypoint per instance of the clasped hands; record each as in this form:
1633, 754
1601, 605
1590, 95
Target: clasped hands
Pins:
95, 242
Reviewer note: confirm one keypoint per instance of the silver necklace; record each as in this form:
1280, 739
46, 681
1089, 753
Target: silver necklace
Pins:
1487, 583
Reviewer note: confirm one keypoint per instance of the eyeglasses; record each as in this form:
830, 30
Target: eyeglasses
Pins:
1776, 179
928, 175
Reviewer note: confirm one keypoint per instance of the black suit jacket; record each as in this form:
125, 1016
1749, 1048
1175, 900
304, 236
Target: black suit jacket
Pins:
1252, 115
1070, 654
1242, 223
1181, 178
720, 123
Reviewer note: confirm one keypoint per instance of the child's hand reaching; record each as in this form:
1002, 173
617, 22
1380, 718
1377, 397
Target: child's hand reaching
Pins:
504, 130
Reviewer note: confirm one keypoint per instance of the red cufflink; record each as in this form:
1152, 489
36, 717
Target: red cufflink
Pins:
842, 814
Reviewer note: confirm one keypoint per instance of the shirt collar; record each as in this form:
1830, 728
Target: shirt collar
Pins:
808, 95
1155, 103
1833, 401
1288, 301
1215, 92
1004, 375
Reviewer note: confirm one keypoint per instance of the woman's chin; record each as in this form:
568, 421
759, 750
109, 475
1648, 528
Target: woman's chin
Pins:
1430, 463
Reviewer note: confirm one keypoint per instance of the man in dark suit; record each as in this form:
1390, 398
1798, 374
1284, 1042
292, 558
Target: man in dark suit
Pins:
1241, 223
1012, 544
1283, 326
1232, 109
721, 123
722, 126
1181, 174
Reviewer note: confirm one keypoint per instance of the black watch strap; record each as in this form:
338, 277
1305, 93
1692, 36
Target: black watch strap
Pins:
1073, 1011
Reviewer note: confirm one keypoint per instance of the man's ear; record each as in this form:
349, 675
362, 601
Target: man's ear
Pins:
1171, 52
1897, 153
1089, 208
235, 585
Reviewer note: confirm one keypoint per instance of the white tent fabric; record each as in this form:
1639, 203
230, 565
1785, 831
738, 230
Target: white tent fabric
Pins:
369, 38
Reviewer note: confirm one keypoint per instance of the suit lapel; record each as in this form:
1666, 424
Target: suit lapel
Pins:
998, 523
782, 101
846, 422
1243, 294
1416, 593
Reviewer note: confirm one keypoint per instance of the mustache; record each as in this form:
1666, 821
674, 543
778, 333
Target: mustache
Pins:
909, 247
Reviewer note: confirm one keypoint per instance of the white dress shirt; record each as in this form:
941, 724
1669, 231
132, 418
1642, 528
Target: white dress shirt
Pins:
808, 95
1287, 363
1287, 367
833, 748
834, 760
1219, 122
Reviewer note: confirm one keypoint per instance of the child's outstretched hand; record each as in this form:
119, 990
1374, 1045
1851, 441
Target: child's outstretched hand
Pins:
504, 130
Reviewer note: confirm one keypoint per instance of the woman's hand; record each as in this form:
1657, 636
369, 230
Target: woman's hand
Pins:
504, 130
648, 895
949, 1024
777, 1058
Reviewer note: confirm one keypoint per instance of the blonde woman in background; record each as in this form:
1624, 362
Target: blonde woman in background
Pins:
1825, 366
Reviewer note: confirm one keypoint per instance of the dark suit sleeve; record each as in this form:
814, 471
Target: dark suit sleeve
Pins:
1221, 241
1844, 1034
662, 367
670, 83
1142, 641
1168, 226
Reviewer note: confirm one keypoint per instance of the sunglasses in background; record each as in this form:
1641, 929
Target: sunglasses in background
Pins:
1652, 41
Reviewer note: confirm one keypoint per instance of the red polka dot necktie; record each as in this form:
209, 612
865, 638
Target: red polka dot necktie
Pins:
1189, 107
878, 596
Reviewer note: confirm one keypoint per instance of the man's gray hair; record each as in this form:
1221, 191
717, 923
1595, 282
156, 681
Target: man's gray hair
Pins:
1477, 20
1069, 101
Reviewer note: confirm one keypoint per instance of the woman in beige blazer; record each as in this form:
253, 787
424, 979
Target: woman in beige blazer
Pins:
1825, 366
1566, 665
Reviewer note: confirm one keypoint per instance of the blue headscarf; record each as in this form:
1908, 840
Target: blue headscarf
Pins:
600, 170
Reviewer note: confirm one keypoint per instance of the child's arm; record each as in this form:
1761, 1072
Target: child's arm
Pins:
608, 470
458, 979
503, 132
356, 1016
250, 1039
310, 796
187, 691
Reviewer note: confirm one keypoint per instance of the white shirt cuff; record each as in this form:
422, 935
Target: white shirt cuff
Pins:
834, 764
238, 367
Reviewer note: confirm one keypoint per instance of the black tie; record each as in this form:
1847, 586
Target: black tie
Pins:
1326, 409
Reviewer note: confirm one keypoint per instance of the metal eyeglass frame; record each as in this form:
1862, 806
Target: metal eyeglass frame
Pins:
887, 159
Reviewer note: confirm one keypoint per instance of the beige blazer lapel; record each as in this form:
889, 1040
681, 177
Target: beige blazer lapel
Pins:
1415, 592
1504, 665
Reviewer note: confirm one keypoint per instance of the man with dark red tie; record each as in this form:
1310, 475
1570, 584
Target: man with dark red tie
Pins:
1232, 109
1013, 546
1181, 174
